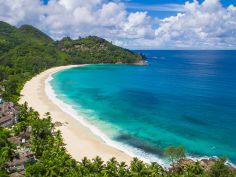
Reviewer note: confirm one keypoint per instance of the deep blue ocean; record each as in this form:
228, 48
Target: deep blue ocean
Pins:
183, 98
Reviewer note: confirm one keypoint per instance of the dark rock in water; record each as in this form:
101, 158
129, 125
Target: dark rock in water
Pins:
193, 120
135, 142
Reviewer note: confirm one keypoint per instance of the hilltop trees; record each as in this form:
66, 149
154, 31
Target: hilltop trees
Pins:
26, 51
93, 49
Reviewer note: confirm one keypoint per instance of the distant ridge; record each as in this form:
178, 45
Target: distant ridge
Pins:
27, 51
91, 49
33, 32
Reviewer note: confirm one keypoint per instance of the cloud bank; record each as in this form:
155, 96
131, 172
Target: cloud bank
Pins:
199, 26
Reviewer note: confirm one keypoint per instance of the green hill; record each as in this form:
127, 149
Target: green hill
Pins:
93, 49
28, 40
8, 37
33, 33
27, 51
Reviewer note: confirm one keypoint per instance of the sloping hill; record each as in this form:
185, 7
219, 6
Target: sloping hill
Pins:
33, 33
8, 37
93, 49
26, 51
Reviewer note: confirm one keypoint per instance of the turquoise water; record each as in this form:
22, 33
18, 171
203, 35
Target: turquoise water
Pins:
181, 98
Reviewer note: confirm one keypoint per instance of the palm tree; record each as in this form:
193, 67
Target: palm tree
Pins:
195, 169
111, 167
123, 169
156, 170
58, 139
98, 164
138, 168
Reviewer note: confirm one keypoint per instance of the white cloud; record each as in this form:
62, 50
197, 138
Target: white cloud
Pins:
206, 25
73, 4
138, 25
111, 14
15, 11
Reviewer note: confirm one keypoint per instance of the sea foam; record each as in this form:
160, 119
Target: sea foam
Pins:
131, 151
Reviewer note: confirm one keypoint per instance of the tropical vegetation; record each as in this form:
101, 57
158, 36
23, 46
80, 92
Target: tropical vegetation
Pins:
53, 159
25, 52
93, 49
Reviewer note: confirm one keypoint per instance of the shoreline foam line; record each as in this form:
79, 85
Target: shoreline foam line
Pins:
79, 141
131, 151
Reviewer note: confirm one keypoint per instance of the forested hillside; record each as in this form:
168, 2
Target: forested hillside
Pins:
26, 51
93, 49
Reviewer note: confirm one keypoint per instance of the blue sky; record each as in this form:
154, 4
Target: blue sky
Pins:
134, 24
141, 4
145, 5
158, 2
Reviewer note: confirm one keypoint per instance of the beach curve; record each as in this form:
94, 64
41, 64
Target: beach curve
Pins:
79, 140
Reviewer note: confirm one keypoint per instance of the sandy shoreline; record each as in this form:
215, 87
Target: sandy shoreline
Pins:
79, 140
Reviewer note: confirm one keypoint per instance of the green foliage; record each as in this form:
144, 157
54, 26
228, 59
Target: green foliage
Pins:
6, 148
3, 173
27, 114
219, 169
191, 170
53, 160
8, 37
195, 169
175, 153
26, 51
12, 86
19, 127
5, 71
93, 49
41, 128
34, 33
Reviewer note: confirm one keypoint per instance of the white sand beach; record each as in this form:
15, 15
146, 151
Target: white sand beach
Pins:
79, 140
